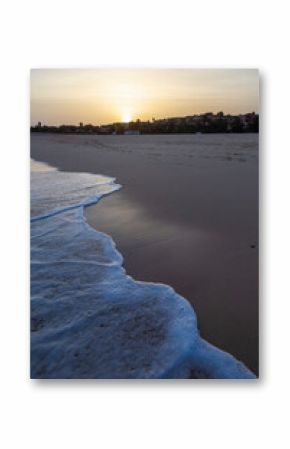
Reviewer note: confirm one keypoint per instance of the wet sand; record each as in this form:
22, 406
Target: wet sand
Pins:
187, 216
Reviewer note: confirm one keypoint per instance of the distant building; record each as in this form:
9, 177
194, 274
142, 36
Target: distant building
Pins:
39, 124
105, 130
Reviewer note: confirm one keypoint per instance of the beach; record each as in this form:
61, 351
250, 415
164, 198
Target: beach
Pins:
186, 216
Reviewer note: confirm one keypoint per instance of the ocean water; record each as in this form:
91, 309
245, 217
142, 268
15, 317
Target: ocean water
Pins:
89, 319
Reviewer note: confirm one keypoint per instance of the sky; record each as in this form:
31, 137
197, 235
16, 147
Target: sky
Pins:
101, 96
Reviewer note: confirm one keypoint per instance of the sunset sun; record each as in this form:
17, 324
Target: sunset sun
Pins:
126, 117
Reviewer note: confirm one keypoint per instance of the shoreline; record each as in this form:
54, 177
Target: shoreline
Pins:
188, 356
159, 246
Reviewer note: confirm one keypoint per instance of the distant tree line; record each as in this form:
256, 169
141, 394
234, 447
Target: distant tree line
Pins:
203, 123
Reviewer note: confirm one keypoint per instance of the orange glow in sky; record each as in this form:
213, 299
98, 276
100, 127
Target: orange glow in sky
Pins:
100, 96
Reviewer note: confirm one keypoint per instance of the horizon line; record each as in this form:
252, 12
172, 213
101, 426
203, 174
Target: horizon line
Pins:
150, 120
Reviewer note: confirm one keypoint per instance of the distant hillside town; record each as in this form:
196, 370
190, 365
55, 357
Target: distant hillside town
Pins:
202, 123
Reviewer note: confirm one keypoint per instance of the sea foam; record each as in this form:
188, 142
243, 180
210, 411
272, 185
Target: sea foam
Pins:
89, 319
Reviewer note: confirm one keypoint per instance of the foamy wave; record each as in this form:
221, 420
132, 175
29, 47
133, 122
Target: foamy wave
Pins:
91, 320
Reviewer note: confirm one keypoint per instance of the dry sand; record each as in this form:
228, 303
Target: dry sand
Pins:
187, 216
